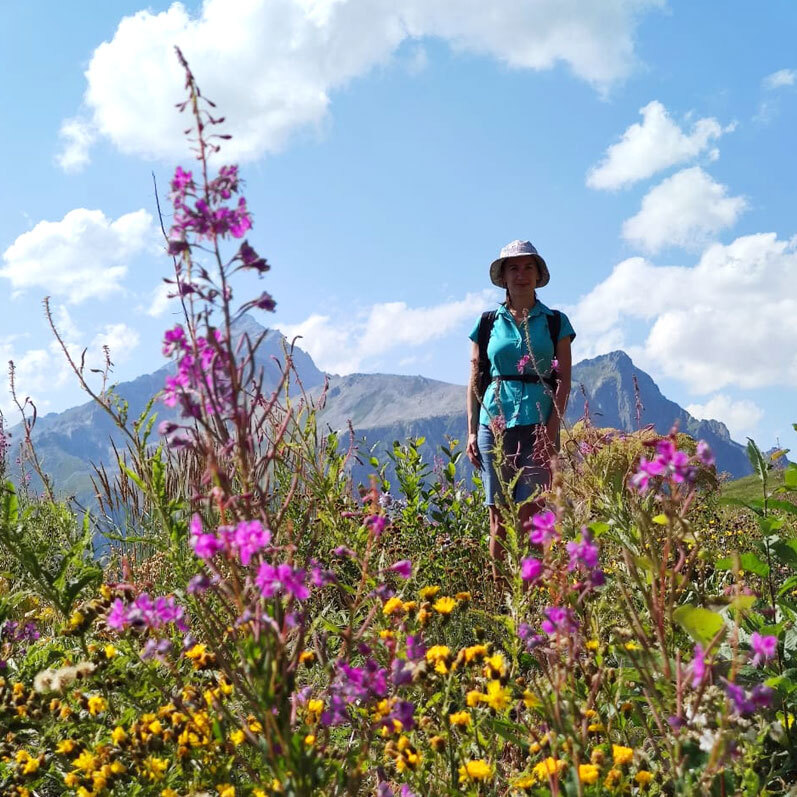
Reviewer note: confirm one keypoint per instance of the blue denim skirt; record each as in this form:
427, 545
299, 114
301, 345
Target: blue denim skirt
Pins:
518, 447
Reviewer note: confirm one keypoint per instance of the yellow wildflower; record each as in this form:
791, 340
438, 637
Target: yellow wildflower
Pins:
592, 644
445, 605
596, 727
110, 651
96, 705
460, 719
155, 767
86, 761
643, 777
410, 606
632, 646
169, 793
76, 620
118, 768
495, 666
225, 790
463, 597
438, 655
588, 773
427, 593
474, 652
306, 657
621, 755
474, 697
65, 746
437, 743
118, 735
524, 782
309, 740
497, 696
314, 709
531, 700
613, 779
548, 767
71, 780
237, 737
393, 605
476, 769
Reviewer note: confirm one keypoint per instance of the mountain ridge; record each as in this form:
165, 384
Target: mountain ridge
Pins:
381, 408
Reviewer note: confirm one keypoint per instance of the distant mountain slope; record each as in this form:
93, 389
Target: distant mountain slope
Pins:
381, 407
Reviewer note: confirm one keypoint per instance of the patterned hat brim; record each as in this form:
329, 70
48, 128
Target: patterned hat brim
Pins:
495, 270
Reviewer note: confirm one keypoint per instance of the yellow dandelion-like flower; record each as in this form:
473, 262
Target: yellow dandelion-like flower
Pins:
592, 644
474, 652
169, 793
596, 727
530, 700
65, 746
621, 755
410, 606
307, 657
438, 653
460, 719
613, 778
225, 790
497, 696
71, 780
86, 761
476, 769
445, 605
463, 597
474, 697
309, 740
118, 735
495, 666
643, 777
548, 767
393, 605
314, 709
524, 782
96, 705
427, 593
632, 646
110, 651
588, 773
154, 767
237, 737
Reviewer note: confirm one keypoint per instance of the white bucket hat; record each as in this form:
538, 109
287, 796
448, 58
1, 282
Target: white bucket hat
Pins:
518, 249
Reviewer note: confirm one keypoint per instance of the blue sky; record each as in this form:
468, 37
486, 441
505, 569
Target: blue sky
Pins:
390, 148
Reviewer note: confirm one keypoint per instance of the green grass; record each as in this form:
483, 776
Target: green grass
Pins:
749, 487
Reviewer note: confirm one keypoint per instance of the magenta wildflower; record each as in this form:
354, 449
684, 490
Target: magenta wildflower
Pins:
250, 537
530, 569
377, 524
282, 578
559, 620
543, 529
705, 454
415, 647
698, 666
582, 554
764, 647
743, 703
206, 546
403, 568
117, 615
523, 362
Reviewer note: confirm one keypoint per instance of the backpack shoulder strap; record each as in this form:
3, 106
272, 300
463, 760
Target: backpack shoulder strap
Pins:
485, 328
554, 327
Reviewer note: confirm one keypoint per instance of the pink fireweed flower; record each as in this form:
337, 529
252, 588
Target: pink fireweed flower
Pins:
543, 529
248, 538
764, 647
403, 568
531, 569
582, 554
705, 454
559, 620
282, 578
698, 666
376, 523
205, 546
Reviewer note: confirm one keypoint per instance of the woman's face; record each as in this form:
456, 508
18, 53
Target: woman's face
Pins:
521, 274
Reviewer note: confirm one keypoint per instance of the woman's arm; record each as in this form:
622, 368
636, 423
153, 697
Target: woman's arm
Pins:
564, 356
472, 449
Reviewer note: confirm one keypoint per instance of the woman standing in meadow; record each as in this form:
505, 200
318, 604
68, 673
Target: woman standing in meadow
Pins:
519, 385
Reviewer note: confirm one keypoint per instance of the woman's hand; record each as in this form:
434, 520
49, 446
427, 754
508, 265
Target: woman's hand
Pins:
472, 451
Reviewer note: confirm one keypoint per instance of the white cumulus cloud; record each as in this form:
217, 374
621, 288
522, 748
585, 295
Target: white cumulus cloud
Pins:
345, 345
78, 137
120, 339
686, 210
741, 417
781, 78
728, 321
272, 65
653, 145
85, 255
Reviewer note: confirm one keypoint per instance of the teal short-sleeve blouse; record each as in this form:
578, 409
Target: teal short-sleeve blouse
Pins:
520, 403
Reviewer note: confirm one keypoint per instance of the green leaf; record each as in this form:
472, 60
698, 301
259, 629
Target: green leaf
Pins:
782, 506
750, 563
730, 501
660, 519
724, 564
769, 525
701, 624
10, 504
776, 455
790, 476
510, 732
757, 460
743, 603
786, 551
598, 528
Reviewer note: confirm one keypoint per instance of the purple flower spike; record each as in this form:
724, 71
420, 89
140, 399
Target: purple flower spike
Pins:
559, 620
377, 524
415, 648
531, 569
764, 648
248, 538
283, 578
583, 554
705, 454
543, 529
403, 568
